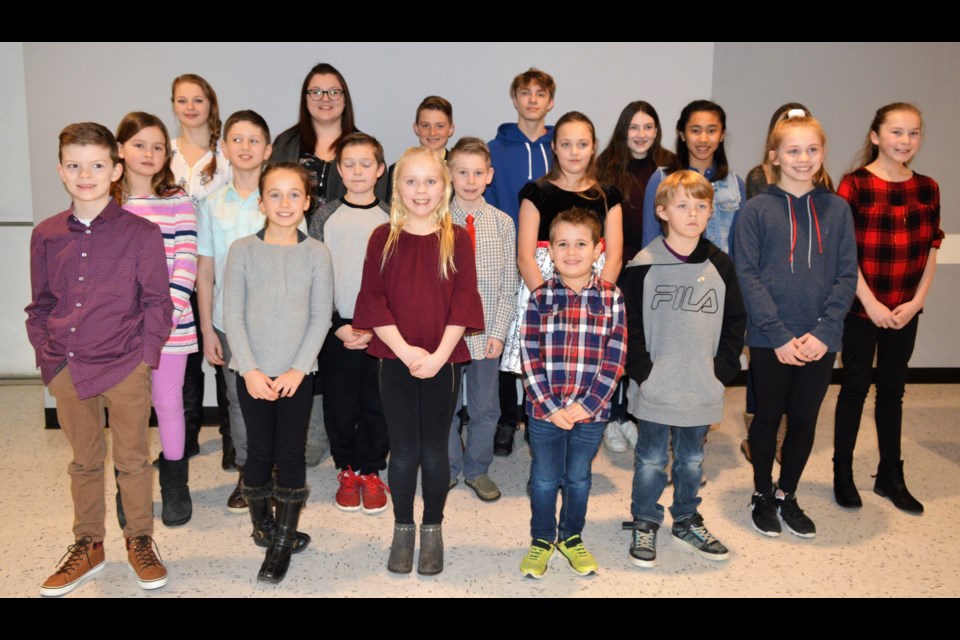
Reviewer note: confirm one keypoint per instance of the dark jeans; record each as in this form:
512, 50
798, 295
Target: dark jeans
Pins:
650, 478
276, 435
893, 348
561, 461
796, 391
418, 414
352, 411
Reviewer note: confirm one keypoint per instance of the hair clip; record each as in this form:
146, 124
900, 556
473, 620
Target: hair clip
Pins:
796, 113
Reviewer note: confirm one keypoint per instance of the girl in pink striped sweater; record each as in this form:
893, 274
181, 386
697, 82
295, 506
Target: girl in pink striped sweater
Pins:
147, 189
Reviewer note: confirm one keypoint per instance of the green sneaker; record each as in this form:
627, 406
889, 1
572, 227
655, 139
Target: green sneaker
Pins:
535, 564
581, 560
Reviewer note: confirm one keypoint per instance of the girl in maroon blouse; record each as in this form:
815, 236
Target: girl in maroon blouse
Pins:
418, 296
896, 213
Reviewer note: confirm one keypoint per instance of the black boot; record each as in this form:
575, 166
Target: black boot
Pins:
503, 438
277, 560
890, 484
844, 490
175, 491
121, 517
259, 500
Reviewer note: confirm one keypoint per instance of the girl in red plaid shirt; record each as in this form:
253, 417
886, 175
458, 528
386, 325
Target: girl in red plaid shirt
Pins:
896, 213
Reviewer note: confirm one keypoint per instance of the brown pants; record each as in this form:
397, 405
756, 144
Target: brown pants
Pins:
129, 407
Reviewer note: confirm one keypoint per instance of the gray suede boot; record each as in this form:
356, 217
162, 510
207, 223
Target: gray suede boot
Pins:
430, 562
401, 549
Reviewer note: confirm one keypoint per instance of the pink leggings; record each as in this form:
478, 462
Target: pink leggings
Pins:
168, 403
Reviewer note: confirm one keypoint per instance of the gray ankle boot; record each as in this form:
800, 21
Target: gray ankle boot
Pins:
401, 549
431, 550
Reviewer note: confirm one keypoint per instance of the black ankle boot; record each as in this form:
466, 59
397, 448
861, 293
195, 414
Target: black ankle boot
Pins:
175, 491
121, 517
277, 560
844, 490
890, 484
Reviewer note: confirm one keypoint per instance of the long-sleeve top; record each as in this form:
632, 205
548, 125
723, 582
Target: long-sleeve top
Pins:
897, 224
497, 275
192, 179
409, 292
101, 297
277, 304
573, 347
796, 259
178, 224
685, 324
345, 229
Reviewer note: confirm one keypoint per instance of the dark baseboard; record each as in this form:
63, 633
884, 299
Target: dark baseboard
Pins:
211, 418
211, 415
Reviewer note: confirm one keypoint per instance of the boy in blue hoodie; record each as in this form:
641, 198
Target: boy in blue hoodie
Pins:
519, 154
685, 323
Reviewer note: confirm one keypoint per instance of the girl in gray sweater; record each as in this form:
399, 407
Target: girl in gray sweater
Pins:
278, 301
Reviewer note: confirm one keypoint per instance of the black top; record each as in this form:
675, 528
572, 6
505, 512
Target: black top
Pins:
550, 200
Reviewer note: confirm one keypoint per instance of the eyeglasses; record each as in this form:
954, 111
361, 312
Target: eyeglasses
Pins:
317, 94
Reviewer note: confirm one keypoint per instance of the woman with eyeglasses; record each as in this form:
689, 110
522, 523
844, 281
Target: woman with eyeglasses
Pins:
326, 116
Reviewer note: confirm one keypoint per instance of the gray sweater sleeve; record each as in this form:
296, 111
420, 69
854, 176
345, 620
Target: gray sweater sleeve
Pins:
234, 302
321, 310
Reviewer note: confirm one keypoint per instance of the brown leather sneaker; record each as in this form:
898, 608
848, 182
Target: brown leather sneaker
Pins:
143, 561
81, 561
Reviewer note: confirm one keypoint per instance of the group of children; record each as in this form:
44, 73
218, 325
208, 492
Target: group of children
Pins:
404, 301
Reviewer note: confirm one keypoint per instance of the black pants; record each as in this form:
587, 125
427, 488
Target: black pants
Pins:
193, 387
352, 410
893, 348
618, 402
510, 405
796, 391
276, 434
418, 414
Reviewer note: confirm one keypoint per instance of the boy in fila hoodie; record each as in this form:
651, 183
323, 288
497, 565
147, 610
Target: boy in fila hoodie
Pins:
685, 323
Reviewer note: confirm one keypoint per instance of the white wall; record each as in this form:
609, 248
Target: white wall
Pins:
387, 82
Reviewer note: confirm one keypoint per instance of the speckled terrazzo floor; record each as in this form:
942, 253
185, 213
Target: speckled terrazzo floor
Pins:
876, 551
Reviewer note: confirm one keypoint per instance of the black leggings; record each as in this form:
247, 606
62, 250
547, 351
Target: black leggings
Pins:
861, 339
796, 391
418, 414
276, 434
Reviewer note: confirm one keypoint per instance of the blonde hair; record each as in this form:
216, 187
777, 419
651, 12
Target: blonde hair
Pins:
441, 217
777, 134
694, 184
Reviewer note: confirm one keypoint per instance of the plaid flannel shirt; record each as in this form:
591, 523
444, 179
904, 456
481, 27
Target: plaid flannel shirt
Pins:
897, 224
573, 347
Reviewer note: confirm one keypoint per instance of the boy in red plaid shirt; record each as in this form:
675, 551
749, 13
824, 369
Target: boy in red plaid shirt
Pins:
574, 350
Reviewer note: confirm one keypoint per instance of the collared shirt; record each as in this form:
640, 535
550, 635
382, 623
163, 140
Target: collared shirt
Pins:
101, 297
497, 275
573, 347
896, 224
224, 217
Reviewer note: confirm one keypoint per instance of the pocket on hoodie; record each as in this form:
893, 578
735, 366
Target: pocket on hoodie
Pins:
678, 382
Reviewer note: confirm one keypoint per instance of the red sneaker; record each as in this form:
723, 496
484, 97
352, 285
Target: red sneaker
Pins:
348, 495
374, 494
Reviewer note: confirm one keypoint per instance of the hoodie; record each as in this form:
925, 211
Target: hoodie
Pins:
796, 259
516, 160
685, 323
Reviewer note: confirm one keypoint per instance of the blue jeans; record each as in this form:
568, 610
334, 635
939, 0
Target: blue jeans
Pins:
649, 477
561, 458
483, 403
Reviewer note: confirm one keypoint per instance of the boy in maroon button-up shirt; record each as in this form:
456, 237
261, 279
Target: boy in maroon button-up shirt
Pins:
100, 314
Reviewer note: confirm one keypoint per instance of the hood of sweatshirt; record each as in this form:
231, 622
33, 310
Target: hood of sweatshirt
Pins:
802, 210
524, 158
657, 253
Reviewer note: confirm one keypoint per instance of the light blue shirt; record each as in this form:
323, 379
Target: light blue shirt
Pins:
224, 217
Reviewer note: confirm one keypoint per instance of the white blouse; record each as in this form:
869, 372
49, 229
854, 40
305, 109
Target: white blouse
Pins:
191, 179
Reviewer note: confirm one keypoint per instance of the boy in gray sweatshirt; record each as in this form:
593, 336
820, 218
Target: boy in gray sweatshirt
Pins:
685, 326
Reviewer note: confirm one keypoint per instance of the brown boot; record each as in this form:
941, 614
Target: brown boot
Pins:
236, 503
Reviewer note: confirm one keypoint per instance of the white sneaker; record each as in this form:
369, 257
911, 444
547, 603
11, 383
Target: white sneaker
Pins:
613, 438
630, 432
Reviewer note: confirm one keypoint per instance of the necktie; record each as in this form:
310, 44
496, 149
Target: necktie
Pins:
472, 230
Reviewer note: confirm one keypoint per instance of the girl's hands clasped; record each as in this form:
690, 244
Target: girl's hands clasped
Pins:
287, 383
259, 385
